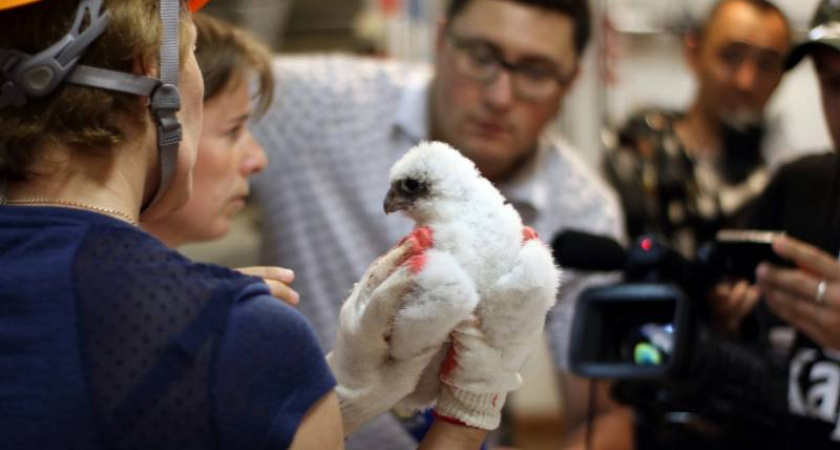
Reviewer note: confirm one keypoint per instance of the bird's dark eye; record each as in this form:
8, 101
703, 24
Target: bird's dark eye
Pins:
410, 186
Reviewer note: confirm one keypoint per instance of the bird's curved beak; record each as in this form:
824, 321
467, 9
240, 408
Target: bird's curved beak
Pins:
394, 202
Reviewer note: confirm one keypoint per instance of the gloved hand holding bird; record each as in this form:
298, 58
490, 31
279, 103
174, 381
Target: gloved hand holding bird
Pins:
449, 315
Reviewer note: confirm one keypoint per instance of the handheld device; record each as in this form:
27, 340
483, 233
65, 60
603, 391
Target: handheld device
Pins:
737, 253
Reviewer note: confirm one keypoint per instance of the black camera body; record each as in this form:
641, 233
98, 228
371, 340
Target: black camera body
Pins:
632, 331
652, 336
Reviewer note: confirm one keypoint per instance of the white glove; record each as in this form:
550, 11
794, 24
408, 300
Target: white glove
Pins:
488, 350
397, 318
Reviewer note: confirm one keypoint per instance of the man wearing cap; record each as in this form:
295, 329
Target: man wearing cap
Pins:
803, 199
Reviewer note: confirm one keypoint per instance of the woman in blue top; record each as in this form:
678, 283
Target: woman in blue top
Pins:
108, 339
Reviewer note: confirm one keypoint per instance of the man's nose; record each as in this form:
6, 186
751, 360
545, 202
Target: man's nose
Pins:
746, 76
499, 93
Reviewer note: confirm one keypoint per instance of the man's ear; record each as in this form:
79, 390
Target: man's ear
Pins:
440, 38
574, 76
692, 49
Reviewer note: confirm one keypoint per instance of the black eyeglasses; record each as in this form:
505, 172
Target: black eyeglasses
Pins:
482, 61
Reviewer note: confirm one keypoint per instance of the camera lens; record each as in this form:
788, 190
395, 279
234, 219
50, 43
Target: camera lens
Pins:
650, 344
645, 354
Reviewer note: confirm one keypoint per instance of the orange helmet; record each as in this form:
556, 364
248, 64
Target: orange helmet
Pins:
195, 5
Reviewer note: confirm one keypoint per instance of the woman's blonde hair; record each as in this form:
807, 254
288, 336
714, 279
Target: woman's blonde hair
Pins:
81, 118
227, 54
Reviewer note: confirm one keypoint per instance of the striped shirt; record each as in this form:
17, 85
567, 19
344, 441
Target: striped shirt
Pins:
337, 125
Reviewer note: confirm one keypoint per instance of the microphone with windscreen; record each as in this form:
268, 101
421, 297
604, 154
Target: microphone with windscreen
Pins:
609, 319
645, 260
578, 250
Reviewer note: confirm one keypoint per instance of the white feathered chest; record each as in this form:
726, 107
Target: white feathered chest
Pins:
485, 242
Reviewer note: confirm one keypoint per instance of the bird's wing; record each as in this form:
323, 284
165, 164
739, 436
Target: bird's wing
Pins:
514, 308
443, 295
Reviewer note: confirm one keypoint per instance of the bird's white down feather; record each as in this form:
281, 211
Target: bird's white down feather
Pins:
471, 221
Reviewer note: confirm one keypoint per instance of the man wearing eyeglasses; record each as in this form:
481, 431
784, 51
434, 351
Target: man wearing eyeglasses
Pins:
502, 70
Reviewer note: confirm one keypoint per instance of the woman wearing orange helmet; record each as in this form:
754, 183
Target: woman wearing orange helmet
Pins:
108, 339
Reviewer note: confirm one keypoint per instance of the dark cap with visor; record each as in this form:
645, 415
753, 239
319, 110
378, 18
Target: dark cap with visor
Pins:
824, 32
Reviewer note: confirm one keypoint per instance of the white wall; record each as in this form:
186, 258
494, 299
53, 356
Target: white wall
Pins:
651, 14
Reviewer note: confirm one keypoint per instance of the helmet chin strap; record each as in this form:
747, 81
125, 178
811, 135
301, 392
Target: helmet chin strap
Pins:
166, 100
38, 76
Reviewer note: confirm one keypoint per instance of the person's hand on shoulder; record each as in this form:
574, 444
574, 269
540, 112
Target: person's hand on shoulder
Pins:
278, 279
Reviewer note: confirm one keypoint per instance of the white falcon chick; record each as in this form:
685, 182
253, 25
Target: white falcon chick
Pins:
514, 273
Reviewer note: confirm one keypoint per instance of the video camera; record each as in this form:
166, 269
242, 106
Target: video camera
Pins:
652, 336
